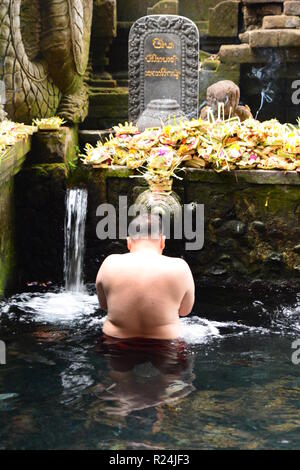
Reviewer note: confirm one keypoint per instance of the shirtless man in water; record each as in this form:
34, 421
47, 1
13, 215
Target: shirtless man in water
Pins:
143, 291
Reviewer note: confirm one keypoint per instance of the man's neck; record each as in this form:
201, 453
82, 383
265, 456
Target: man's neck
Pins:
145, 248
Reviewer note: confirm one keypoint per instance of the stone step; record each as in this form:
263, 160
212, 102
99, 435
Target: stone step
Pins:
292, 8
274, 38
244, 37
281, 22
254, 14
238, 54
249, 2
244, 54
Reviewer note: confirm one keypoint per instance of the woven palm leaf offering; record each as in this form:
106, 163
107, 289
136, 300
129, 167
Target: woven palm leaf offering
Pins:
11, 132
98, 157
49, 124
218, 144
161, 166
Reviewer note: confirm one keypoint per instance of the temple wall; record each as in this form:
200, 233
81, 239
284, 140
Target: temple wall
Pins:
6, 235
10, 163
252, 229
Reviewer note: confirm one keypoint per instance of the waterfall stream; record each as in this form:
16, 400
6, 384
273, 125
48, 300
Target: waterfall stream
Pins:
75, 218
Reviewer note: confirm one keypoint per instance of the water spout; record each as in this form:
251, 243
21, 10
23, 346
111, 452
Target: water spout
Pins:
76, 209
163, 204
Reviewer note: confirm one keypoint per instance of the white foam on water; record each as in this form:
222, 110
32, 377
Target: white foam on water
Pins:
288, 318
69, 307
197, 330
50, 307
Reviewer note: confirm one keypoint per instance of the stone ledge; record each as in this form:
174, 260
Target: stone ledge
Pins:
244, 176
281, 21
210, 176
292, 8
251, 2
118, 172
54, 146
93, 136
239, 54
12, 159
244, 54
274, 38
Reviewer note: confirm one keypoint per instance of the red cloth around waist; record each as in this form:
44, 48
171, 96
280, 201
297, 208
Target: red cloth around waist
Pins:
125, 353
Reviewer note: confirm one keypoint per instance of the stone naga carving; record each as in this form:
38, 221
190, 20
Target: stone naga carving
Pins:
227, 92
44, 47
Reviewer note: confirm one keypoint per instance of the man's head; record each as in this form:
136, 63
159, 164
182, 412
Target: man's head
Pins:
145, 231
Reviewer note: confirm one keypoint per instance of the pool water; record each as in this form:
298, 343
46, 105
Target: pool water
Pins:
238, 389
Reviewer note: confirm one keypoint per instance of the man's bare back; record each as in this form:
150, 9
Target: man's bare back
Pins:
145, 292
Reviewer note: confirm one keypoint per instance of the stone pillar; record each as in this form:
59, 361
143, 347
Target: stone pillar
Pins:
104, 30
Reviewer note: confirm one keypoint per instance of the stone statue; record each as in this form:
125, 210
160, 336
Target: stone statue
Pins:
44, 46
227, 92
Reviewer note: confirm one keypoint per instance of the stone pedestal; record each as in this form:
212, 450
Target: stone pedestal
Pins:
54, 146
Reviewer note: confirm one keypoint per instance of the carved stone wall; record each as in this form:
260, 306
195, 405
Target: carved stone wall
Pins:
251, 223
45, 47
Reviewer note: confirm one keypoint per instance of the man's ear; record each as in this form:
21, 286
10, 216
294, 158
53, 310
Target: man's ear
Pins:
162, 242
129, 243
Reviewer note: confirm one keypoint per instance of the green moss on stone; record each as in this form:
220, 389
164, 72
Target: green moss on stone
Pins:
47, 169
7, 259
55, 146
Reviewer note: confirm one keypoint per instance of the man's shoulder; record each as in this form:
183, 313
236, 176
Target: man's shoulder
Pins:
179, 263
112, 259
108, 265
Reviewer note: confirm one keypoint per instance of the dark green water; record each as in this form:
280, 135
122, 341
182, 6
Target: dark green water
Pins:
238, 390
